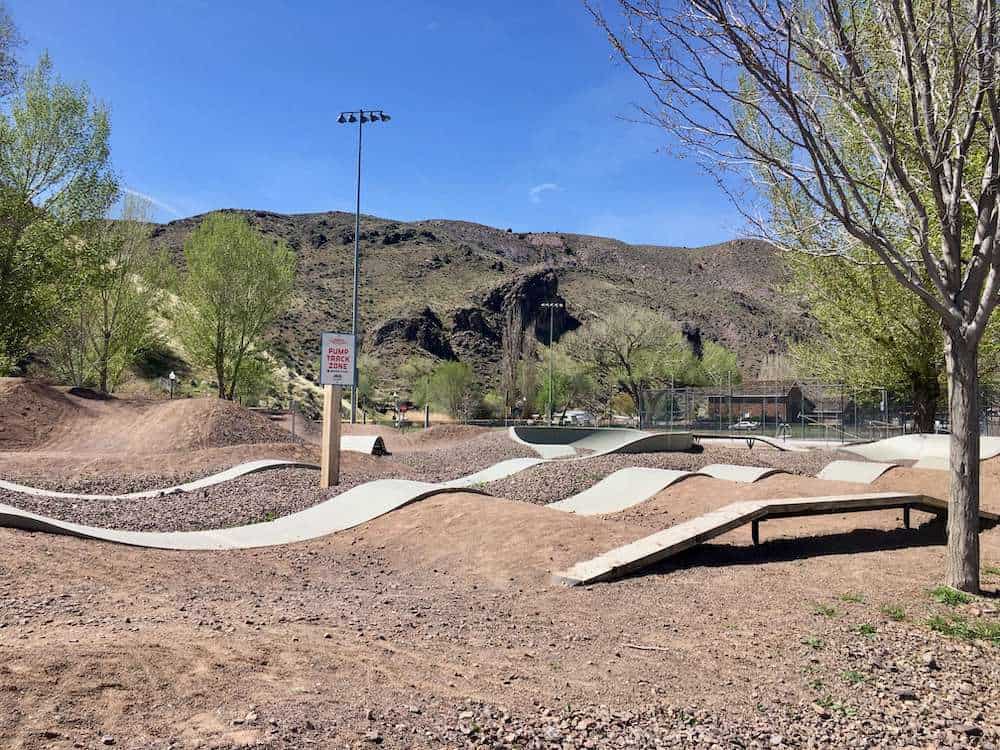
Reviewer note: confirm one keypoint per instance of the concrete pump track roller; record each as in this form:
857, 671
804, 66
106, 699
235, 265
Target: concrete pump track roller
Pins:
859, 472
356, 506
929, 451
566, 442
367, 444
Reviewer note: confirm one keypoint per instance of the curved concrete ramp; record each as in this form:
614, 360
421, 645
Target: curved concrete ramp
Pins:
620, 490
353, 508
860, 472
929, 451
736, 473
250, 467
373, 445
565, 442
497, 471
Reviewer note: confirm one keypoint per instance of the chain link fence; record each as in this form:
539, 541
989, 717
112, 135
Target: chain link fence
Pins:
799, 409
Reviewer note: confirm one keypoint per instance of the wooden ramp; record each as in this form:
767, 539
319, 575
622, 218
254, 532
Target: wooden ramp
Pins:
663, 544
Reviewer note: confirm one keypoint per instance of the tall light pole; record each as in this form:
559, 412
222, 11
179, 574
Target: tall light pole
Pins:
552, 307
361, 117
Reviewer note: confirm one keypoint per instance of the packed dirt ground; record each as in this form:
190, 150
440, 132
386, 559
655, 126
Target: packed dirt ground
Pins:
437, 625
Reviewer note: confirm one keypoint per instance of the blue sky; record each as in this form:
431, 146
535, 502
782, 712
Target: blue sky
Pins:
507, 114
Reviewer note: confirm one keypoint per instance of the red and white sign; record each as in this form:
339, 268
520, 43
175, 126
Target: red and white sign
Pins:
336, 366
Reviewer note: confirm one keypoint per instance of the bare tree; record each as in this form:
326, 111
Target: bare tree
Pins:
860, 123
10, 40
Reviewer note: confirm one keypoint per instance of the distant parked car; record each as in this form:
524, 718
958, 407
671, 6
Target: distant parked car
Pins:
746, 424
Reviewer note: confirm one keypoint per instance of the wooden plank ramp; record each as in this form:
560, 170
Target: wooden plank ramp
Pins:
652, 549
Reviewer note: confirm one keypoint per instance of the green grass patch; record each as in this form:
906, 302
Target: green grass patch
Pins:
828, 702
951, 597
865, 629
825, 610
854, 677
894, 612
956, 626
814, 642
852, 598
991, 570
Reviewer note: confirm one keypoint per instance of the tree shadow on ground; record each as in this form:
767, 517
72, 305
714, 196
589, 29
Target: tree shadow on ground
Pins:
929, 534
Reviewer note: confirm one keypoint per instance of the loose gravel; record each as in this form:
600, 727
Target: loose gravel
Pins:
441, 463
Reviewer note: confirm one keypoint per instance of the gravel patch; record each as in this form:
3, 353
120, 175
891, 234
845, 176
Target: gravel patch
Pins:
548, 483
441, 463
250, 499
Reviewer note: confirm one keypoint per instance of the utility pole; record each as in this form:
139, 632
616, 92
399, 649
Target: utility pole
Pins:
361, 117
552, 306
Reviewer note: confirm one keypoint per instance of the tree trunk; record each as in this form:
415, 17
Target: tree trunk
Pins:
963, 507
925, 390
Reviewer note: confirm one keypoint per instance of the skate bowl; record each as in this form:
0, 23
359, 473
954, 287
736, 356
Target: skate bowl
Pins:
620, 490
859, 472
928, 451
741, 474
566, 442
352, 508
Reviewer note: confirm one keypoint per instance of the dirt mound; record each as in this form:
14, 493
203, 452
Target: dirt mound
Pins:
30, 411
35, 416
489, 540
166, 426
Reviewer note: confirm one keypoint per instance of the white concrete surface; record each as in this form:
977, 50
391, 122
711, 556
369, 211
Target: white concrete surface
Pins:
234, 472
929, 451
352, 508
564, 442
736, 473
620, 490
861, 472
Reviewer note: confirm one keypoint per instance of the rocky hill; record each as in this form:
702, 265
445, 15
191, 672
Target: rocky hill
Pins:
454, 289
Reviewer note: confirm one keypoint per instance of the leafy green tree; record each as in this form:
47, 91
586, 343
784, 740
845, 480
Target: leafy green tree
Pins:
54, 181
717, 366
453, 385
633, 348
105, 315
570, 384
369, 379
417, 372
237, 282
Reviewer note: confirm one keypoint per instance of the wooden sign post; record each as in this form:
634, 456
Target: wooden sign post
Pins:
329, 474
336, 370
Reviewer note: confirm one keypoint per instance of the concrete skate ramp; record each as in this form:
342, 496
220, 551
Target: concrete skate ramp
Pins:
353, 508
251, 467
929, 451
859, 472
664, 544
373, 445
620, 490
736, 473
559, 442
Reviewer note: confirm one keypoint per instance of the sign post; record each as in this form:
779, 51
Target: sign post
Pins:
336, 370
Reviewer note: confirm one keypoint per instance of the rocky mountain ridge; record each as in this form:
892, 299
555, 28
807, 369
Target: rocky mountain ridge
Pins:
459, 290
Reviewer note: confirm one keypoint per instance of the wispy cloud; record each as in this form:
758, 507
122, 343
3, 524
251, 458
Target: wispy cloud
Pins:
535, 193
152, 200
